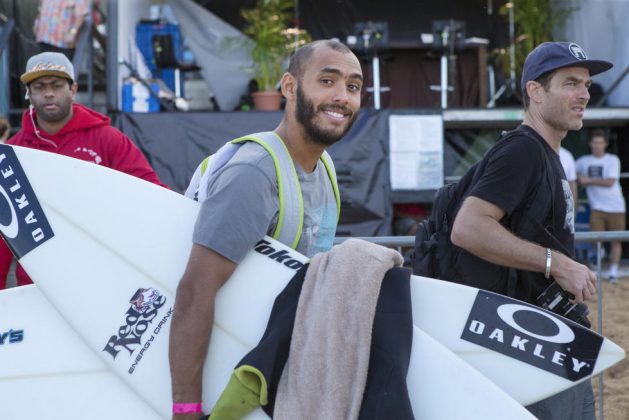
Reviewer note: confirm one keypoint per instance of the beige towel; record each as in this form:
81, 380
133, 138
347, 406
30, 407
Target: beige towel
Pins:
326, 371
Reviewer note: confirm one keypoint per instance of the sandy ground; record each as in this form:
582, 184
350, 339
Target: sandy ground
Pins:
616, 328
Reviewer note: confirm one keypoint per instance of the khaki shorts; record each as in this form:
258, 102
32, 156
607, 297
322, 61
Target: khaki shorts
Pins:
600, 221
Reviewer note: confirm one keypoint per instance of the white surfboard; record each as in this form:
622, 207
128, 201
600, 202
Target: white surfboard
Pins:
107, 239
552, 352
49, 369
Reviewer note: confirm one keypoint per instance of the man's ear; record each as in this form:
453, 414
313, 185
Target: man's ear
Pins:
288, 86
74, 88
533, 89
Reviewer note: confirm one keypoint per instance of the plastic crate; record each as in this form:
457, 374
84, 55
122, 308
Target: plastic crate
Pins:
136, 98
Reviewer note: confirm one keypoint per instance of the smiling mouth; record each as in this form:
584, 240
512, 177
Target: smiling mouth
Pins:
337, 114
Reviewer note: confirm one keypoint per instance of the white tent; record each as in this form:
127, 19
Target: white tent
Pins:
600, 27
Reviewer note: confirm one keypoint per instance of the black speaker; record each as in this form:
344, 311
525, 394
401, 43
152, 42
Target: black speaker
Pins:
371, 36
448, 34
164, 51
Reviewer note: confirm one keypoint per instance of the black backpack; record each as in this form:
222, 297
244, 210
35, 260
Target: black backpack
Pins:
435, 255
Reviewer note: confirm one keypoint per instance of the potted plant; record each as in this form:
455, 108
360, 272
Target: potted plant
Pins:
268, 27
535, 22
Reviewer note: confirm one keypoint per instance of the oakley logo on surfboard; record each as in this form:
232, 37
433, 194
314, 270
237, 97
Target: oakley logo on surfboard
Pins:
532, 335
22, 221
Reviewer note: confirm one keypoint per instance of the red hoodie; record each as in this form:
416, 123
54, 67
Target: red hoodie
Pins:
87, 136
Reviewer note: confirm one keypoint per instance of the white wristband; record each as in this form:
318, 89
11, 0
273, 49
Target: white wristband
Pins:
549, 260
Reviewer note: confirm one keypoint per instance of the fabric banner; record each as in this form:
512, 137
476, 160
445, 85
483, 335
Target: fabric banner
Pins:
175, 143
221, 51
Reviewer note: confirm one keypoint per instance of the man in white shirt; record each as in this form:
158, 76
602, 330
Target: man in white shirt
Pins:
599, 174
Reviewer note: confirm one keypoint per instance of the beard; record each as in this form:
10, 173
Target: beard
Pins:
305, 114
54, 116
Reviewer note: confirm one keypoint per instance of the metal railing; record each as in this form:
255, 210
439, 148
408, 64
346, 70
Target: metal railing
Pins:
84, 53
7, 30
7, 26
592, 237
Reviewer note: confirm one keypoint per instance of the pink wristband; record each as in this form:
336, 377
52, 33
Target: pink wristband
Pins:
183, 408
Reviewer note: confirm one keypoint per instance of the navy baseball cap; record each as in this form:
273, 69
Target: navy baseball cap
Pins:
550, 56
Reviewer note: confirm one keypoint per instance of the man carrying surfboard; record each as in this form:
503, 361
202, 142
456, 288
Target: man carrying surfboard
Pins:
280, 183
55, 124
555, 81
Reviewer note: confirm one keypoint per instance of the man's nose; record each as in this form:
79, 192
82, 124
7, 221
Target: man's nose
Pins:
341, 95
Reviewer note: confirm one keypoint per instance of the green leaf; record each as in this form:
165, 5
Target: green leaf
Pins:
268, 27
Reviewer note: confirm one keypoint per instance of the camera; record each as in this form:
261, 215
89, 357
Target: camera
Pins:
557, 300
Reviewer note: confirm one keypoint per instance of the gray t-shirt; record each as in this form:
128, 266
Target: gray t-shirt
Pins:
243, 206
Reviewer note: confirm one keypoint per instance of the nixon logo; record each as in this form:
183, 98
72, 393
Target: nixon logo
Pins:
507, 312
577, 52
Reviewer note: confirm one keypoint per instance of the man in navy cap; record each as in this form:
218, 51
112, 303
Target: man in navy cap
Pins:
493, 224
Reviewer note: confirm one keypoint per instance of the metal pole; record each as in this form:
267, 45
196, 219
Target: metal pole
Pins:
612, 87
5, 59
512, 46
445, 38
375, 63
90, 55
600, 322
511, 82
296, 22
444, 80
112, 55
607, 236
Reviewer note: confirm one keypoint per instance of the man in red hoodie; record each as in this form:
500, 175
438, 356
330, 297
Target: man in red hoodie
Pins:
55, 124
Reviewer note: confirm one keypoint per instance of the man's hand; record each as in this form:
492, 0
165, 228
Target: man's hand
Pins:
573, 277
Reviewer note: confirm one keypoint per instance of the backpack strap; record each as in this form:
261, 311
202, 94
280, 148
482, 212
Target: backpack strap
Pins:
291, 212
197, 189
538, 209
291, 207
536, 213
540, 206
331, 170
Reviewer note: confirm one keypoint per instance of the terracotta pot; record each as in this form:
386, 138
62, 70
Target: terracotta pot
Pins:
268, 100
